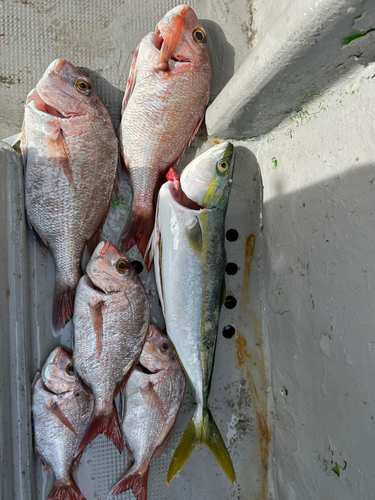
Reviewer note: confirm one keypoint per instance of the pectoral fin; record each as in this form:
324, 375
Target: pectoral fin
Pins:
55, 409
194, 235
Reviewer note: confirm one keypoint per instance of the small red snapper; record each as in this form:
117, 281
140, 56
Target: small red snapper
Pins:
61, 412
70, 154
152, 397
164, 103
111, 320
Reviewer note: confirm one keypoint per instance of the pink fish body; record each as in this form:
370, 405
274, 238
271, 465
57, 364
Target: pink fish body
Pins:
70, 153
61, 412
165, 100
111, 320
152, 397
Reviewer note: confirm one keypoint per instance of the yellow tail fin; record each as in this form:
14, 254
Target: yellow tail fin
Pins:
195, 434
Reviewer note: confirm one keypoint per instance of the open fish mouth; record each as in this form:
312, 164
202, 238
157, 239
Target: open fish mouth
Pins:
166, 49
40, 105
179, 195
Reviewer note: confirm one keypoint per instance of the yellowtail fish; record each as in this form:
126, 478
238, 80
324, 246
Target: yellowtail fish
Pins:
189, 259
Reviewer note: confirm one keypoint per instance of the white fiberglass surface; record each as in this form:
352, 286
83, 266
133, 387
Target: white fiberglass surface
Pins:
100, 38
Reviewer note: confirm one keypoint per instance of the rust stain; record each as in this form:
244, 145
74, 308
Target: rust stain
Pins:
249, 255
242, 353
7, 293
250, 359
266, 437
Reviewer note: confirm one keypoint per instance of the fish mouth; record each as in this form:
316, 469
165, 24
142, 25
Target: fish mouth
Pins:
141, 368
179, 195
167, 45
95, 287
45, 388
40, 105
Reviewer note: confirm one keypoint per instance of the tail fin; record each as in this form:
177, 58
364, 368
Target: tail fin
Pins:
197, 433
66, 491
107, 424
134, 479
63, 305
138, 231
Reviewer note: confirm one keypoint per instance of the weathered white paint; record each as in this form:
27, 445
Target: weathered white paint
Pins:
319, 292
301, 54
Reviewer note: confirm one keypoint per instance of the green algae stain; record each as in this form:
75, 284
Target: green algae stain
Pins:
349, 39
336, 469
120, 203
17, 147
274, 163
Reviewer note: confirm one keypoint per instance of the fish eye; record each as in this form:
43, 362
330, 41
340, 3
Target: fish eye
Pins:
222, 165
83, 87
199, 36
165, 347
122, 266
70, 369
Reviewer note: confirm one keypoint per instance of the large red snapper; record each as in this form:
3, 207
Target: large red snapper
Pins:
164, 103
70, 154
152, 398
61, 412
111, 320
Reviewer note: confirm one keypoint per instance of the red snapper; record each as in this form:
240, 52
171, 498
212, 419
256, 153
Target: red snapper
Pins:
164, 103
70, 154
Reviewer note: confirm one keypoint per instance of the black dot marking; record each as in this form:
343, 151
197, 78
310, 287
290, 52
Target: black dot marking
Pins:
228, 331
231, 268
138, 266
232, 235
230, 302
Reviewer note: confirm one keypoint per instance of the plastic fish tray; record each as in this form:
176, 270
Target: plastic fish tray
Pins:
238, 400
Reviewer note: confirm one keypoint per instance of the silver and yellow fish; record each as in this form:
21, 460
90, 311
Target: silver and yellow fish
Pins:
189, 258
